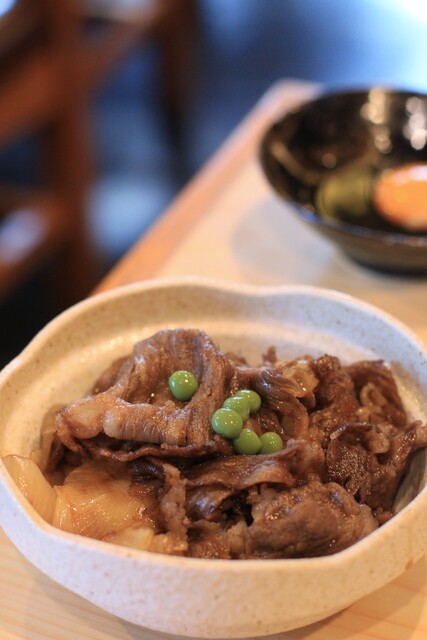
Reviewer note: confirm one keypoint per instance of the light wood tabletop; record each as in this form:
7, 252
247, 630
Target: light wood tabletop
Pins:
228, 224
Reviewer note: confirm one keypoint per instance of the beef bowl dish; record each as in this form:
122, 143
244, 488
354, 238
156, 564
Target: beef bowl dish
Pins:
206, 446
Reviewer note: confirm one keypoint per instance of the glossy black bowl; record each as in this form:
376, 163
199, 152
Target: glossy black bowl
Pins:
325, 157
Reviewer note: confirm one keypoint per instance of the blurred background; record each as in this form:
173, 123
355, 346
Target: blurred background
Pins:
108, 107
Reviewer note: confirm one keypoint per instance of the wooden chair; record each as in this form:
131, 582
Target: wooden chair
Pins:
50, 65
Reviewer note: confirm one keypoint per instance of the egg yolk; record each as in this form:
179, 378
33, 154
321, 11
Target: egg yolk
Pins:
400, 196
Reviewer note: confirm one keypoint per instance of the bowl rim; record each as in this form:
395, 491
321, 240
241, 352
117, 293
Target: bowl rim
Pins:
390, 238
142, 558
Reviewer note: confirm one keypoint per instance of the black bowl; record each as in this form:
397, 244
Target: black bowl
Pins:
325, 156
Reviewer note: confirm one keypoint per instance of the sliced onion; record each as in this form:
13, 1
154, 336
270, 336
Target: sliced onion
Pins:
135, 537
145, 539
63, 514
94, 501
33, 484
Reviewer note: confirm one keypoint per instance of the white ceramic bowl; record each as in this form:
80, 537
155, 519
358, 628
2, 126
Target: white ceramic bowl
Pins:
188, 596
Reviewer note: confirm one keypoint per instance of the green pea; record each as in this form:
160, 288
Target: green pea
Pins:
253, 397
270, 442
238, 404
227, 423
183, 385
248, 443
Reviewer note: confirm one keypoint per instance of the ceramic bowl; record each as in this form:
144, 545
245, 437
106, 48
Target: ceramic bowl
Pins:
188, 596
325, 156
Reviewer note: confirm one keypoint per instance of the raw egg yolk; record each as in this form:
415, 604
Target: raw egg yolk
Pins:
400, 196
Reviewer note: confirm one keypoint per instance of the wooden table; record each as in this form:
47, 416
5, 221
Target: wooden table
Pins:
229, 225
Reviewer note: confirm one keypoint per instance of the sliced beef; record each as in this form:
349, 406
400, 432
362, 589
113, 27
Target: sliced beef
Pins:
336, 401
115, 371
369, 461
267, 420
216, 540
208, 540
138, 407
376, 388
313, 520
240, 472
172, 505
211, 484
208, 502
279, 394
102, 448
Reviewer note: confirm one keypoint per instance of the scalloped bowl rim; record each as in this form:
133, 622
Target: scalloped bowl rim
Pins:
307, 566
67, 315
